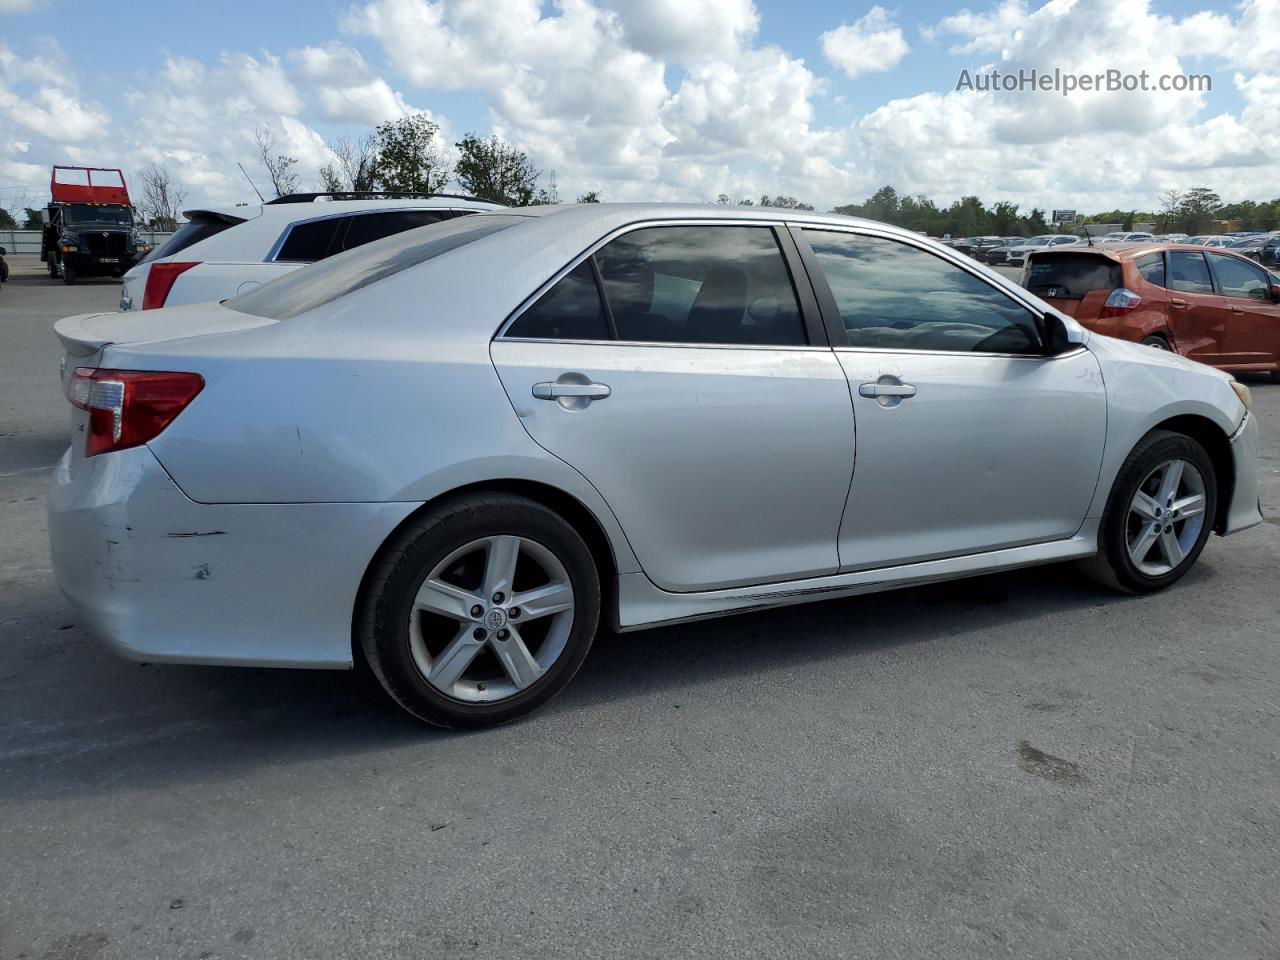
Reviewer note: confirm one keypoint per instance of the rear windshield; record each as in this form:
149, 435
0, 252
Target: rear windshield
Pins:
1069, 276
192, 232
326, 280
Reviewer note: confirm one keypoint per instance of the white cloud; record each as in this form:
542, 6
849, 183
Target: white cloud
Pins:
868, 45
348, 90
687, 31
39, 94
686, 99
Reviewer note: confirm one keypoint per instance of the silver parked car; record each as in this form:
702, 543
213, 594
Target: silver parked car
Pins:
455, 452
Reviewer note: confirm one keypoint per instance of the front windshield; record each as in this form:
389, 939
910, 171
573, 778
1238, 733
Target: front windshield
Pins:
83, 214
1037, 241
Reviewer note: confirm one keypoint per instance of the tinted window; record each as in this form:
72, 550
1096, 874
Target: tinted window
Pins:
700, 285
307, 242
1152, 268
1239, 279
190, 233
571, 310
313, 286
1188, 272
366, 227
893, 295
1069, 276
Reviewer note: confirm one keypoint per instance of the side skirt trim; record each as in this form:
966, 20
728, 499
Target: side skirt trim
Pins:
642, 605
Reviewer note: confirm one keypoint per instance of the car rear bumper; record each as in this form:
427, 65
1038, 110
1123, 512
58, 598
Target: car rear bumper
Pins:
1245, 510
162, 578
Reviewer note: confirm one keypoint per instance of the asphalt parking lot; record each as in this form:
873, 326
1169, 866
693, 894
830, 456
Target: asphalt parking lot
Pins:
1021, 765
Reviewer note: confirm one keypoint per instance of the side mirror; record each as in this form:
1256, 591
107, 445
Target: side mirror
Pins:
3, 251
1275, 288
1060, 335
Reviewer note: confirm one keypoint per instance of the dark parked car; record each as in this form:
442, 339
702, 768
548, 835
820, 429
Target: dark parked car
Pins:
1253, 246
975, 246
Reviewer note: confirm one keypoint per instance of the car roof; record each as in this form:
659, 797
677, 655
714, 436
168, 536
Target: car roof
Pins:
308, 209
1130, 251
607, 217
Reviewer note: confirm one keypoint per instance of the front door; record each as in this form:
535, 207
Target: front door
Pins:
1253, 317
969, 438
691, 397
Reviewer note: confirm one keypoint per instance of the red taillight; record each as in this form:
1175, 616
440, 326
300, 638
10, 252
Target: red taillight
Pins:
129, 407
1119, 303
160, 281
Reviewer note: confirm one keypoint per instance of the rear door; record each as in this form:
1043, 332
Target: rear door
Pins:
698, 395
970, 438
1197, 315
1253, 318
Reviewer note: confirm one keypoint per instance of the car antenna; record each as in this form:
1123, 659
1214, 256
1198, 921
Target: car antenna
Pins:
261, 198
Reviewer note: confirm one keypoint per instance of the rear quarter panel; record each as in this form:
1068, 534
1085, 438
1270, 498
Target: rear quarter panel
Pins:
387, 395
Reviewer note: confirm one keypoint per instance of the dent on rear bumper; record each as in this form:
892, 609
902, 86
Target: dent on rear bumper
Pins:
162, 578
1245, 510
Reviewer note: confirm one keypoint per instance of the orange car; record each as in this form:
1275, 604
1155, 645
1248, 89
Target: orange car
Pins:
1207, 304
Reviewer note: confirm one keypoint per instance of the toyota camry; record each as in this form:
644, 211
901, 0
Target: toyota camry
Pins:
456, 453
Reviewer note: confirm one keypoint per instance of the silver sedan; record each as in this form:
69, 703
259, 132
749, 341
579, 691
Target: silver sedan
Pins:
455, 453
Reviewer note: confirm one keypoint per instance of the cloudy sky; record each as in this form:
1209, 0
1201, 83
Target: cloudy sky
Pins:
666, 99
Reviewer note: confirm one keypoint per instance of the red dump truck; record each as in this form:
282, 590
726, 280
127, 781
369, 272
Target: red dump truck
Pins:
89, 226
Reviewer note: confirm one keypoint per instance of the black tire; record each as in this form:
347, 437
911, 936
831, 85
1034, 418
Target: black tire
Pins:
383, 618
1156, 342
1112, 565
68, 275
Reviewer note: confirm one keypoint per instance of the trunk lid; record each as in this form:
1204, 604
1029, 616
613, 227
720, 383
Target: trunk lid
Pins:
1076, 282
86, 335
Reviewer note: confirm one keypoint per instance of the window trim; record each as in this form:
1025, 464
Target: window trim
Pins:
1164, 268
1168, 271
273, 255
810, 314
835, 325
1217, 284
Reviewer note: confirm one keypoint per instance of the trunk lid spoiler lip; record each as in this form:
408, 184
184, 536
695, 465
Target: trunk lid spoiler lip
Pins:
87, 334
77, 340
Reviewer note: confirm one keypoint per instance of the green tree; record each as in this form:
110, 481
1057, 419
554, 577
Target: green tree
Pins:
1198, 208
1004, 219
591, 196
407, 156
6, 220
784, 203
34, 219
496, 171
1036, 222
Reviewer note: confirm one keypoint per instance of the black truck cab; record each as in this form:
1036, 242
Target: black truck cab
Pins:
89, 227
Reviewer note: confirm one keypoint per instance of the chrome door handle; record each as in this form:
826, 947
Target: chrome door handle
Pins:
554, 390
1177, 302
886, 390
1237, 310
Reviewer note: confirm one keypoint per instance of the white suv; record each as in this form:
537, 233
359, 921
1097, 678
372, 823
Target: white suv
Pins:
217, 254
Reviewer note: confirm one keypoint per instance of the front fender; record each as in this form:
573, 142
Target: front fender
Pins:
1147, 387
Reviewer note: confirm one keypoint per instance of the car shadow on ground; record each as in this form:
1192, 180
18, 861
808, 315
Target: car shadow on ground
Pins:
129, 725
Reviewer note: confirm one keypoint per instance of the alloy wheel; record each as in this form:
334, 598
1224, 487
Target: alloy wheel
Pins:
491, 618
1165, 517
